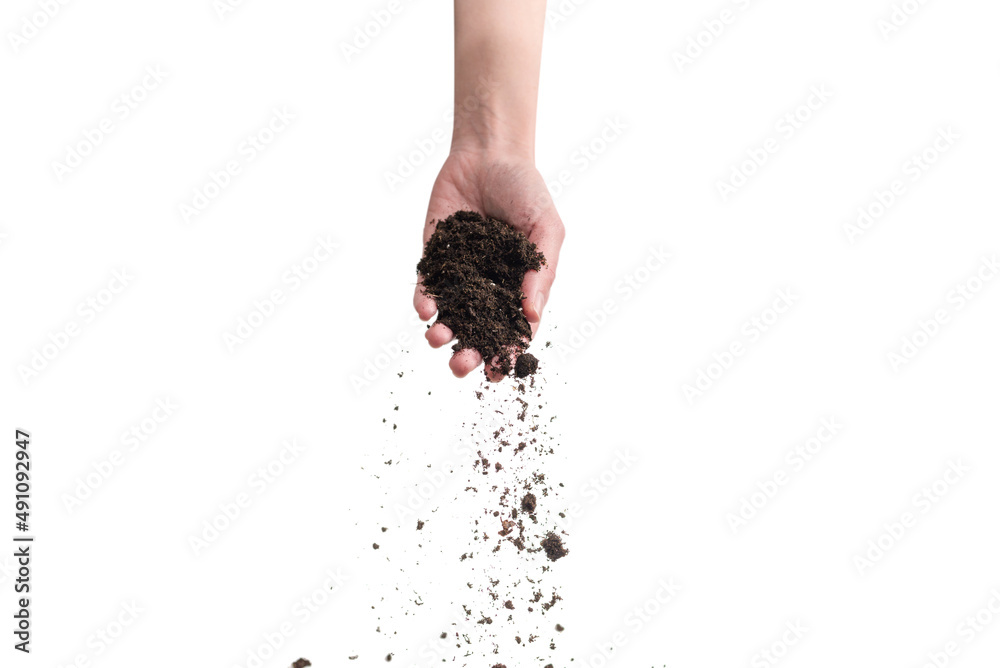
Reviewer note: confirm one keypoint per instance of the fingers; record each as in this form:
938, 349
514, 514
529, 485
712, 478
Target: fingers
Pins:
425, 306
438, 335
548, 236
534, 329
440, 207
492, 374
464, 361
520, 197
467, 360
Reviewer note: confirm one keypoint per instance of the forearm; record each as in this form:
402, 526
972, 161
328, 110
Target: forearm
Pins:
498, 53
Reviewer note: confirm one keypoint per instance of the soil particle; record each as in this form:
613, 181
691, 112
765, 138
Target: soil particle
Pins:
528, 504
420, 525
554, 548
473, 268
526, 365
302, 663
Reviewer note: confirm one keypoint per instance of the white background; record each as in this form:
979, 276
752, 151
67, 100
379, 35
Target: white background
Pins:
616, 386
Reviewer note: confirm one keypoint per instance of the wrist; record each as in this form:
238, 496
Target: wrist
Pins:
498, 47
488, 144
491, 118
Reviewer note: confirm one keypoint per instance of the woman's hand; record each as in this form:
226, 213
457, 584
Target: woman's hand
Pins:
491, 169
507, 188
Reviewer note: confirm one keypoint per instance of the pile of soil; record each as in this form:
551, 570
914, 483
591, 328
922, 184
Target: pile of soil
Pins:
473, 268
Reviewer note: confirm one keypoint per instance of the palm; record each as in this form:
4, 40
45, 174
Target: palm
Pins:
509, 190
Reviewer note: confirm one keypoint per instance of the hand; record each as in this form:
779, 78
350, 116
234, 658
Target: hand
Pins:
507, 188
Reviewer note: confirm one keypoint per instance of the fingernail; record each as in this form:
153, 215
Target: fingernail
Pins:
539, 302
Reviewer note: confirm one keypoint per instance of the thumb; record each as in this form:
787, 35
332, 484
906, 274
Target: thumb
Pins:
548, 237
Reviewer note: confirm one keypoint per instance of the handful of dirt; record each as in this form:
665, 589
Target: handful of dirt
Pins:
473, 268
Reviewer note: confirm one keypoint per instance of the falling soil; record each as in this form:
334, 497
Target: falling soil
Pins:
526, 365
528, 503
554, 548
473, 268
505, 599
302, 663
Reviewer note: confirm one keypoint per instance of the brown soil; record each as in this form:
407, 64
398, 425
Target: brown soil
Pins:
473, 268
554, 548
302, 663
527, 364
520, 500
528, 503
